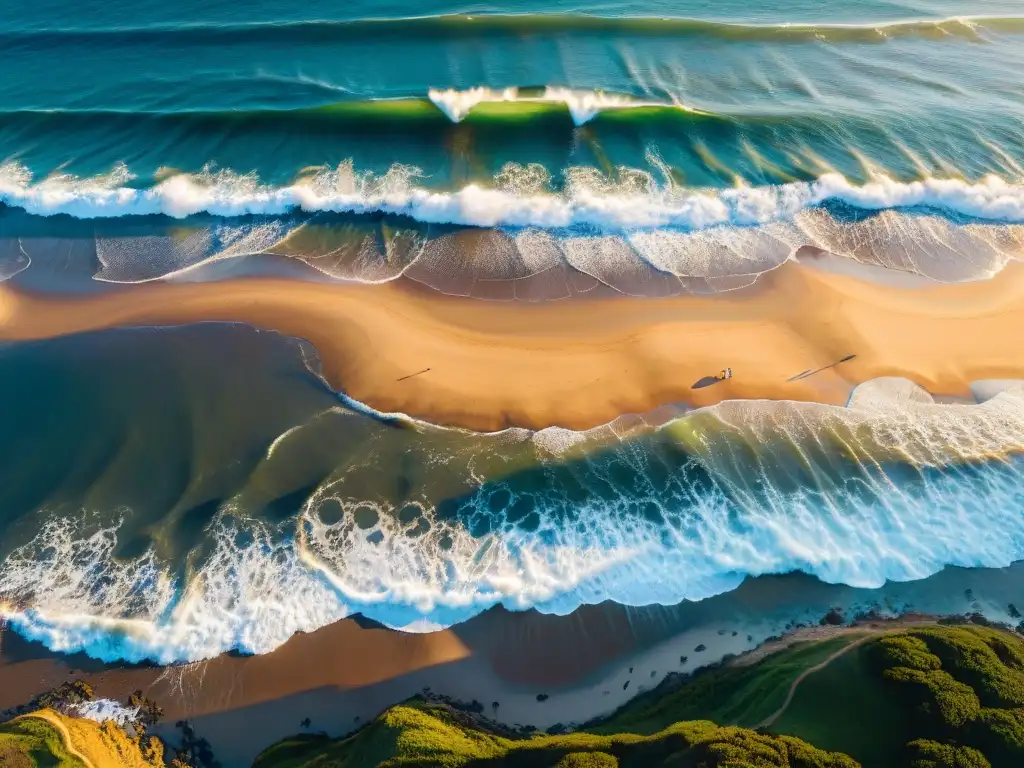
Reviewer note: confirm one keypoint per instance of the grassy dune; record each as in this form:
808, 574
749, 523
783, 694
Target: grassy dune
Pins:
927, 697
433, 734
26, 742
46, 738
935, 697
923, 697
731, 695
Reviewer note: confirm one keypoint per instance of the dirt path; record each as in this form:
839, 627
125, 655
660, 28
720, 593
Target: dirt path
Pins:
65, 734
770, 720
808, 634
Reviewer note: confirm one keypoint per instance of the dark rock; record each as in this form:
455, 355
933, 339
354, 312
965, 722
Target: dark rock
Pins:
1012, 610
833, 618
683, 659
625, 685
700, 648
542, 697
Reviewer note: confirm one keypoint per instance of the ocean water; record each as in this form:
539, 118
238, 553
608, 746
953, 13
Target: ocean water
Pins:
682, 134
173, 494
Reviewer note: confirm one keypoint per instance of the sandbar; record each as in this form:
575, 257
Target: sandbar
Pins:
578, 363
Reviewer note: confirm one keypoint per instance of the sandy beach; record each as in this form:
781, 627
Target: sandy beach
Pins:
583, 362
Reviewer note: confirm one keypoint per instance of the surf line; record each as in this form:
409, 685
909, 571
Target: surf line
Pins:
403, 378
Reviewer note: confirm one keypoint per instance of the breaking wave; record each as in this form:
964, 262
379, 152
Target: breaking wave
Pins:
525, 239
583, 105
893, 487
588, 199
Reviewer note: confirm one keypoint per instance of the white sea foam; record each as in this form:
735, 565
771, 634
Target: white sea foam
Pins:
457, 104
583, 105
101, 710
693, 534
588, 199
13, 258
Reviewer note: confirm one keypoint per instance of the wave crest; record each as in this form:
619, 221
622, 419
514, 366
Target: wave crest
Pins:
588, 200
583, 105
751, 488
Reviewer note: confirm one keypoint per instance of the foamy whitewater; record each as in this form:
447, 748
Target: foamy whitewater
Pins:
584, 203
637, 233
583, 106
102, 710
949, 494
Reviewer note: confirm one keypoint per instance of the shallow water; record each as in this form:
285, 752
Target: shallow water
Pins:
173, 494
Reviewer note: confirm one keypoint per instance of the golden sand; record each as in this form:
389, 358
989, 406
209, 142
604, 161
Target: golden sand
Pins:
580, 363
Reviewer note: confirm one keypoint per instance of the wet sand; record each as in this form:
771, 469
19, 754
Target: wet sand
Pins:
582, 362
588, 663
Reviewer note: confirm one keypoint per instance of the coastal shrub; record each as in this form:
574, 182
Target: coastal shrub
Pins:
944, 703
587, 760
903, 651
965, 683
971, 656
431, 734
999, 733
930, 754
730, 747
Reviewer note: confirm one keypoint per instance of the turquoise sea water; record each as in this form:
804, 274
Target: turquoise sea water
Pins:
710, 124
778, 92
175, 494
172, 494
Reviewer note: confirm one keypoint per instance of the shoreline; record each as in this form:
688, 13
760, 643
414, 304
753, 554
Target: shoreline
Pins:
586, 664
577, 364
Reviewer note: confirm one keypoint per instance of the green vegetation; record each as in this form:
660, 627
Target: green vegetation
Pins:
846, 707
425, 734
928, 754
731, 695
587, 760
45, 735
47, 739
28, 742
927, 698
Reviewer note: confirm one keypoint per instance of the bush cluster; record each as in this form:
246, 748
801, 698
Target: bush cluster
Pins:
965, 685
